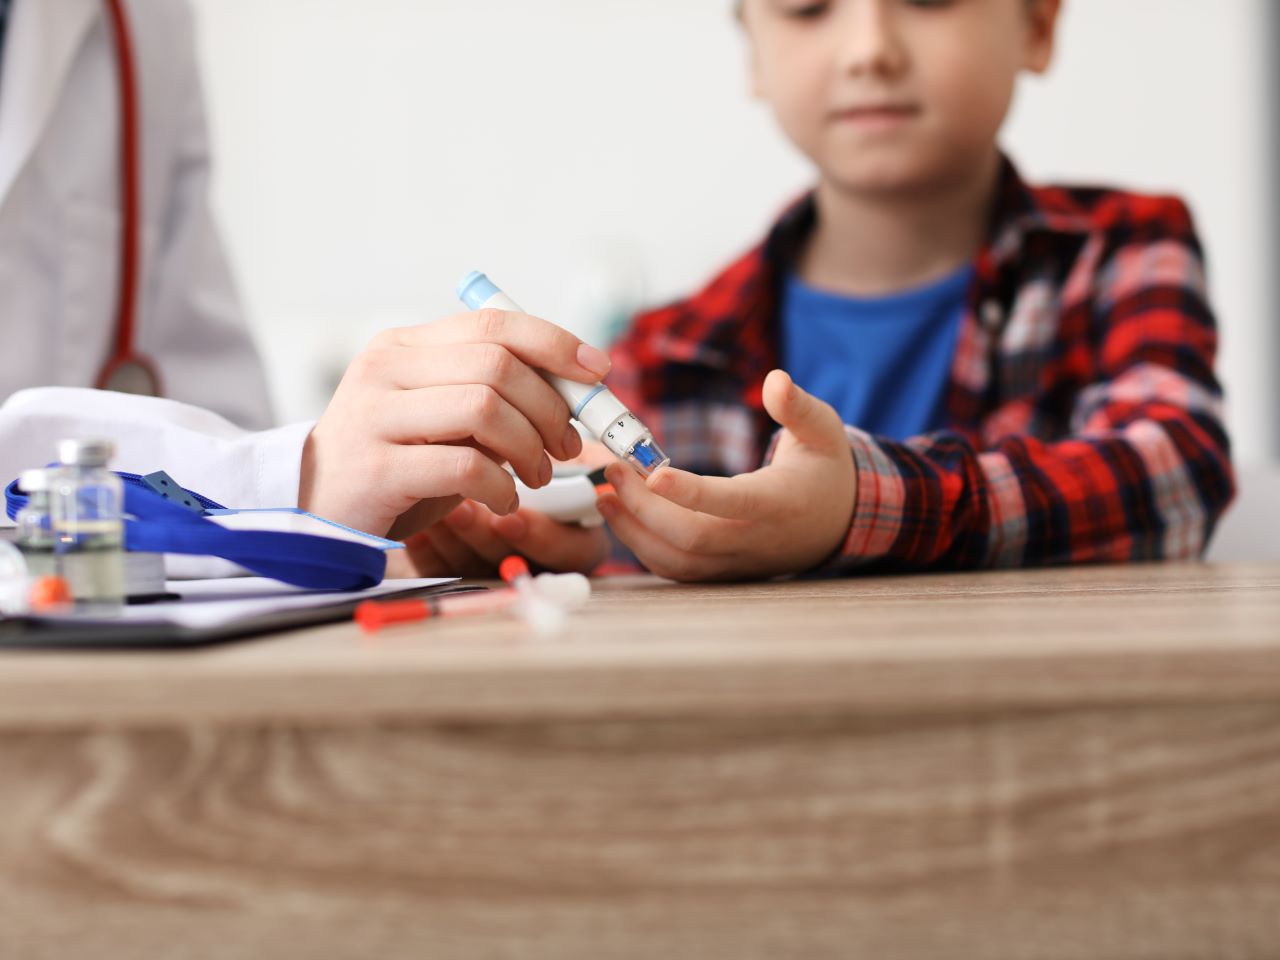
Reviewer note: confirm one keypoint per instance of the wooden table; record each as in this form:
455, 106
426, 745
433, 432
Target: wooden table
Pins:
1061, 764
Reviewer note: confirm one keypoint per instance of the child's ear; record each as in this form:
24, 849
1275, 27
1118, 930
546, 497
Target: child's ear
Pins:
1042, 31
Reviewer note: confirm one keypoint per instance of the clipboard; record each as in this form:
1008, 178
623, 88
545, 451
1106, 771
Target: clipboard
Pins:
158, 633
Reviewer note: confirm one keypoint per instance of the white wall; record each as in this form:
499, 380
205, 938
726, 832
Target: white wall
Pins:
592, 153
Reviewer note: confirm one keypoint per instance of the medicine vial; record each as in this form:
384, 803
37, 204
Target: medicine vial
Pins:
86, 502
35, 526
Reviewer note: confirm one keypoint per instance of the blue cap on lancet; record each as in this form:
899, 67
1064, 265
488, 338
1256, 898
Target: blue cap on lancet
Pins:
648, 456
476, 290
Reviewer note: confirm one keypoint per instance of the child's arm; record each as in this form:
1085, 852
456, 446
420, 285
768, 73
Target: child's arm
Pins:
1144, 474
786, 517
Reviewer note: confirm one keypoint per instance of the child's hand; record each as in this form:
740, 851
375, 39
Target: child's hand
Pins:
427, 415
786, 517
472, 540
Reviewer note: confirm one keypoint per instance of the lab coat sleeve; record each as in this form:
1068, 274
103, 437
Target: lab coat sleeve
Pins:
195, 324
201, 450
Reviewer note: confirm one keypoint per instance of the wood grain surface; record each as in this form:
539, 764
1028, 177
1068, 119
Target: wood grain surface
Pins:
1028, 639
1136, 815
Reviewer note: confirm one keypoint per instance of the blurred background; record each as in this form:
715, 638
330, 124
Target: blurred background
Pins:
597, 155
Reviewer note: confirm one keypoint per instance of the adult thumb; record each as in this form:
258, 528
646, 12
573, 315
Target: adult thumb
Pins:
810, 421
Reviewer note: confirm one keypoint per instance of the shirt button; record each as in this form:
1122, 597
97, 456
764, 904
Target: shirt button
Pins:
991, 314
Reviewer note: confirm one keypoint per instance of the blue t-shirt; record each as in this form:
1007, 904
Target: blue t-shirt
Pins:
883, 362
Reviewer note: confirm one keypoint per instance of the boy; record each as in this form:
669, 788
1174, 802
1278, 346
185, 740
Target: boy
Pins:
995, 374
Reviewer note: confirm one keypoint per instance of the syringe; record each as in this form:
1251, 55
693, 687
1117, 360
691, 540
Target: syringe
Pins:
592, 404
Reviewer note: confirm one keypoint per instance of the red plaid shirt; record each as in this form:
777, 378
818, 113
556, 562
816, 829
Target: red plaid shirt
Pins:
1084, 418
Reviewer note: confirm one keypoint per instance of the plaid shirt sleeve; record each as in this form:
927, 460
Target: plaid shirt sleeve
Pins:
1142, 471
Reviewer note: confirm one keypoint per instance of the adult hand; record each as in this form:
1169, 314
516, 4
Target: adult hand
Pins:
426, 415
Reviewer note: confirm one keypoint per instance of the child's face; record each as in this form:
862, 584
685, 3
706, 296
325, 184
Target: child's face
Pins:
890, 96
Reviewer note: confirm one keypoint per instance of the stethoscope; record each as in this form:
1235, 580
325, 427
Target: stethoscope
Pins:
126, 369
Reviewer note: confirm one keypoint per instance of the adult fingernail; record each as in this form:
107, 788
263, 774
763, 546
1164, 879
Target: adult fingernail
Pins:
572, 442
614, 474
544, 470
462, 516
512, 527
608, 507
597, 361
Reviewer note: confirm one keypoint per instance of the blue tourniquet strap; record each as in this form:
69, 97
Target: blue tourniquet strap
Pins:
155, 525
15, 499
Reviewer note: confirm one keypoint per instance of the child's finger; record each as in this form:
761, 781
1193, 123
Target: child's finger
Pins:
812, 422
732, 498
684, 529
656, 554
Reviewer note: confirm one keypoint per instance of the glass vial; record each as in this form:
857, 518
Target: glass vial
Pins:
86, 503
35, 526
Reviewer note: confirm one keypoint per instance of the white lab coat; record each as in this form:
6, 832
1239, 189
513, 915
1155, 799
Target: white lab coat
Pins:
59, 262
